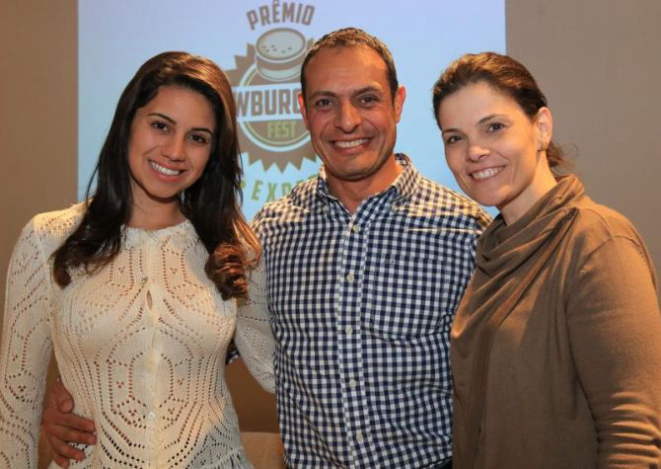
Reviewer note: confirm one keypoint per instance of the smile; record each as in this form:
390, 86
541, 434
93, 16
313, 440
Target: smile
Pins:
351, 143
163, 170
486, 173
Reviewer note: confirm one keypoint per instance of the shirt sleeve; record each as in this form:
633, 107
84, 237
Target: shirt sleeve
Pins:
615, 333
25, 352
253, 337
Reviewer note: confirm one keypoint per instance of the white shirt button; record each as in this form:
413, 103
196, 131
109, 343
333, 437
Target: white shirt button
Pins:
355, 229
359, 437
352, 383
350, 277
348, 330
151, 415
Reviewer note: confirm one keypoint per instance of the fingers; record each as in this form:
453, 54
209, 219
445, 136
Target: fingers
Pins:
60, 461
61, 397
72, 427
58, 420
59, 437
63, 452
61, 427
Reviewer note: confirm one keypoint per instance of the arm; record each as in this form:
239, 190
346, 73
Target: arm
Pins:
615, 330
25, 352
253, 336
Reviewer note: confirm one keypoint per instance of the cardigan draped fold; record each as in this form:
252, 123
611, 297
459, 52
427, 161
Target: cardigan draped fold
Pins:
573, 376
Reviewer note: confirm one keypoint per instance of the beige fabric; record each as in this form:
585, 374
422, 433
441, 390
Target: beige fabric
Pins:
575, 370
141, 345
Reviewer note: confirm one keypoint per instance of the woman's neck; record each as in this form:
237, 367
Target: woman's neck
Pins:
155, 217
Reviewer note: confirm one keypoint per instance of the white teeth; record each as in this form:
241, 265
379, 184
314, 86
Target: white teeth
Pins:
351, 144
163, 170
486, 173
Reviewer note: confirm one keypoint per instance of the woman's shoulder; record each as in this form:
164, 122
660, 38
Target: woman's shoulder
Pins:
52, 228
598, 224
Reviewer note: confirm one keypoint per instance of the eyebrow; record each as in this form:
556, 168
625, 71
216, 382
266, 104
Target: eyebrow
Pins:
481, 121
489, 117
172, 121
358, 92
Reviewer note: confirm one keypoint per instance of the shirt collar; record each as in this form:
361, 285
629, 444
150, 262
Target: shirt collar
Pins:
403, 187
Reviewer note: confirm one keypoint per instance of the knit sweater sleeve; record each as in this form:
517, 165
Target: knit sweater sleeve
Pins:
615, 330
25, 351
253, 336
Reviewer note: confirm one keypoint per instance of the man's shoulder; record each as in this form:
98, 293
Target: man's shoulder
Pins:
446, 204
295, 204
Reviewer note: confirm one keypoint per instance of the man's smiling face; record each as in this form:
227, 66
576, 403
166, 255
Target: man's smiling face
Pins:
352, 115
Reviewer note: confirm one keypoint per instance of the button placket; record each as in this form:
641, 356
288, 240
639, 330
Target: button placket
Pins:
153, 357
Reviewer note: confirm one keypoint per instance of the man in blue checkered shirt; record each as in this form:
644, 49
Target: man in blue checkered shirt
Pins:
365, 266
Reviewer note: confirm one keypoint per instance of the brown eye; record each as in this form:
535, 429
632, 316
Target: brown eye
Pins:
322, 103
159, 125
201, 139
452, 139
368, 100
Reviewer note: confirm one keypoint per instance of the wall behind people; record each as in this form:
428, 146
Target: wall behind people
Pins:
37, 118
597, 61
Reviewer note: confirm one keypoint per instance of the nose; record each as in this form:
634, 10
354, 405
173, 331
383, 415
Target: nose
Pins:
175, 148
476, 152
348, 117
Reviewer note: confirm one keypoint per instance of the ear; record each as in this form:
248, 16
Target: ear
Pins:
544, 125
398, 102
304, 112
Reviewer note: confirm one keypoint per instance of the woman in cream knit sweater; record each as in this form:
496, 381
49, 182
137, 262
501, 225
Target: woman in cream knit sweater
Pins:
137, 288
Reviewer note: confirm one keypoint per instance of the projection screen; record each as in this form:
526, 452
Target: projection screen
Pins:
261, 46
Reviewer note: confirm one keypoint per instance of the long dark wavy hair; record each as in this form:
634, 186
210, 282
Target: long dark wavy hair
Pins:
506, 75
211, 203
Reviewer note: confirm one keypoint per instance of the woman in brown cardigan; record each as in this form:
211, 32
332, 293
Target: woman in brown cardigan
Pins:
556, 347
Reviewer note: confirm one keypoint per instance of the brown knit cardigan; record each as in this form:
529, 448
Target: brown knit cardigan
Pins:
569, 375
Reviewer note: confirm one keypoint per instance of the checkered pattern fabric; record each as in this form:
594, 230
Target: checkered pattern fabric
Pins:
362, 306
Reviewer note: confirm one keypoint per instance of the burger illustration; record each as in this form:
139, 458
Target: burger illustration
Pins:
279, 54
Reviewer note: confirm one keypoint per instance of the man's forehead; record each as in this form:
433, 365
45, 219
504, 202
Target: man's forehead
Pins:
340, 64
338, 52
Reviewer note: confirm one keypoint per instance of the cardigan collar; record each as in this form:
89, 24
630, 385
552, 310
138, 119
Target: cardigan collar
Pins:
503, 248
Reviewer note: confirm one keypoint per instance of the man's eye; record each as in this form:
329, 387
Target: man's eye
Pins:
322, 103
495, 126
369, 99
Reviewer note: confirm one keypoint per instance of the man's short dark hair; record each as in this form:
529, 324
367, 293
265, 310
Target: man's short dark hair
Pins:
354, 37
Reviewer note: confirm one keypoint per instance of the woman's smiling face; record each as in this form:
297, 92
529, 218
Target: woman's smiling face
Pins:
494, 149
170, 144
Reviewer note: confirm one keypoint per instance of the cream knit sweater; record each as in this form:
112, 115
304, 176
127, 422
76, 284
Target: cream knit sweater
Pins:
141, 345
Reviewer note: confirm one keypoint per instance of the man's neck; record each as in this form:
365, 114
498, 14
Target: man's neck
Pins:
352, 193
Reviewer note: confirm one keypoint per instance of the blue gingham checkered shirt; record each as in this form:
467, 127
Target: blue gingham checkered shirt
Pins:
361, 307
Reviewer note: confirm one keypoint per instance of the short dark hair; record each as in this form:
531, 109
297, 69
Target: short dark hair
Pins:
504, 74
354, 37
211, 203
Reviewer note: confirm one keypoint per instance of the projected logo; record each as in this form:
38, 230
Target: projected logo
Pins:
266, 87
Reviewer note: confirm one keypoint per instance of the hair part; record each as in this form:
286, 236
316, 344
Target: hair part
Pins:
353, 37
212, 203
506, 75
